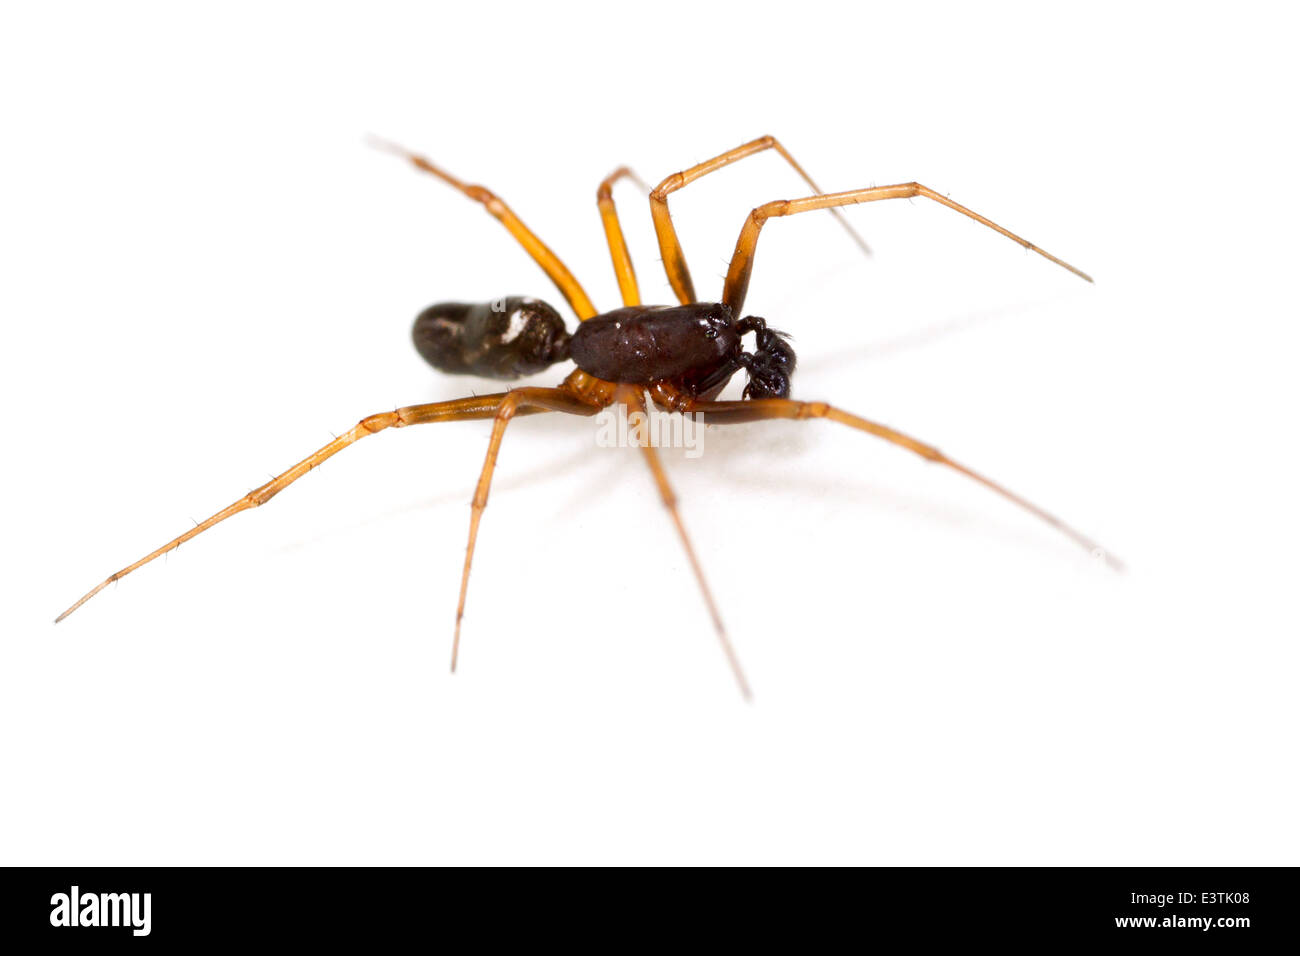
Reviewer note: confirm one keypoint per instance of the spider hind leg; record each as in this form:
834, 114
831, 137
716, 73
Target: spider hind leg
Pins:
461, 409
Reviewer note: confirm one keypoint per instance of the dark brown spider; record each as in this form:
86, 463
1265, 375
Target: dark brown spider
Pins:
681, 356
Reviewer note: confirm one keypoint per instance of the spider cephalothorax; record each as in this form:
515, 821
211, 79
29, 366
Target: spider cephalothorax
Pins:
697, 346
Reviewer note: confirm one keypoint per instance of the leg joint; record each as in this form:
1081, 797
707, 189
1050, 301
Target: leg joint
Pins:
376, 423
813, 410
509, 405
488, 198
673, 183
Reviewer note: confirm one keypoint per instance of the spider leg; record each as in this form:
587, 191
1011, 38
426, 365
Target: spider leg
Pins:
679, 276
461, 409
559, 273
631, 398
519, 401
614, 234
733, 413
742, 262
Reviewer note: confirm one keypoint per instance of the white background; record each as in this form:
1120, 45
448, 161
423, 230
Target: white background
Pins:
206, 273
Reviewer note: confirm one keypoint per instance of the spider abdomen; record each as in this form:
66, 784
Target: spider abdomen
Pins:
504, 339
642, 344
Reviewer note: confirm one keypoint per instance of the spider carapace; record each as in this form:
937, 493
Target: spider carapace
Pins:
680, 356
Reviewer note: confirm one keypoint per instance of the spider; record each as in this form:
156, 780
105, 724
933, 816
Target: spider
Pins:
680, 357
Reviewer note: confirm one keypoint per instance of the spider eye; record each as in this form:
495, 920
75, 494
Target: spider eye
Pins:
710, 333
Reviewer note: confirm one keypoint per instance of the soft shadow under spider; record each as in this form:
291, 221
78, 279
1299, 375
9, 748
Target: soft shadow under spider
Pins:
925, 336
541, 473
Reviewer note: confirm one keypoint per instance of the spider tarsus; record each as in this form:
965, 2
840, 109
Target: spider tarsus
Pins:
385, 145
734, 661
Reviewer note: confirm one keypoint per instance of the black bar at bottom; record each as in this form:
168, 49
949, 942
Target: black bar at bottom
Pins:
1230, 907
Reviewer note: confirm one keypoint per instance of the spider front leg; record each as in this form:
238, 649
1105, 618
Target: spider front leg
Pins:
559, 273
670, 247
461, 409
742, 262
734, 413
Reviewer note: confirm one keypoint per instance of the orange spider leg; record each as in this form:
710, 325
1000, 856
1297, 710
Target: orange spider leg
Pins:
679, 276
461, 409
516, 402
731, 413
632, 400
564, 280
622, 259
742, 263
